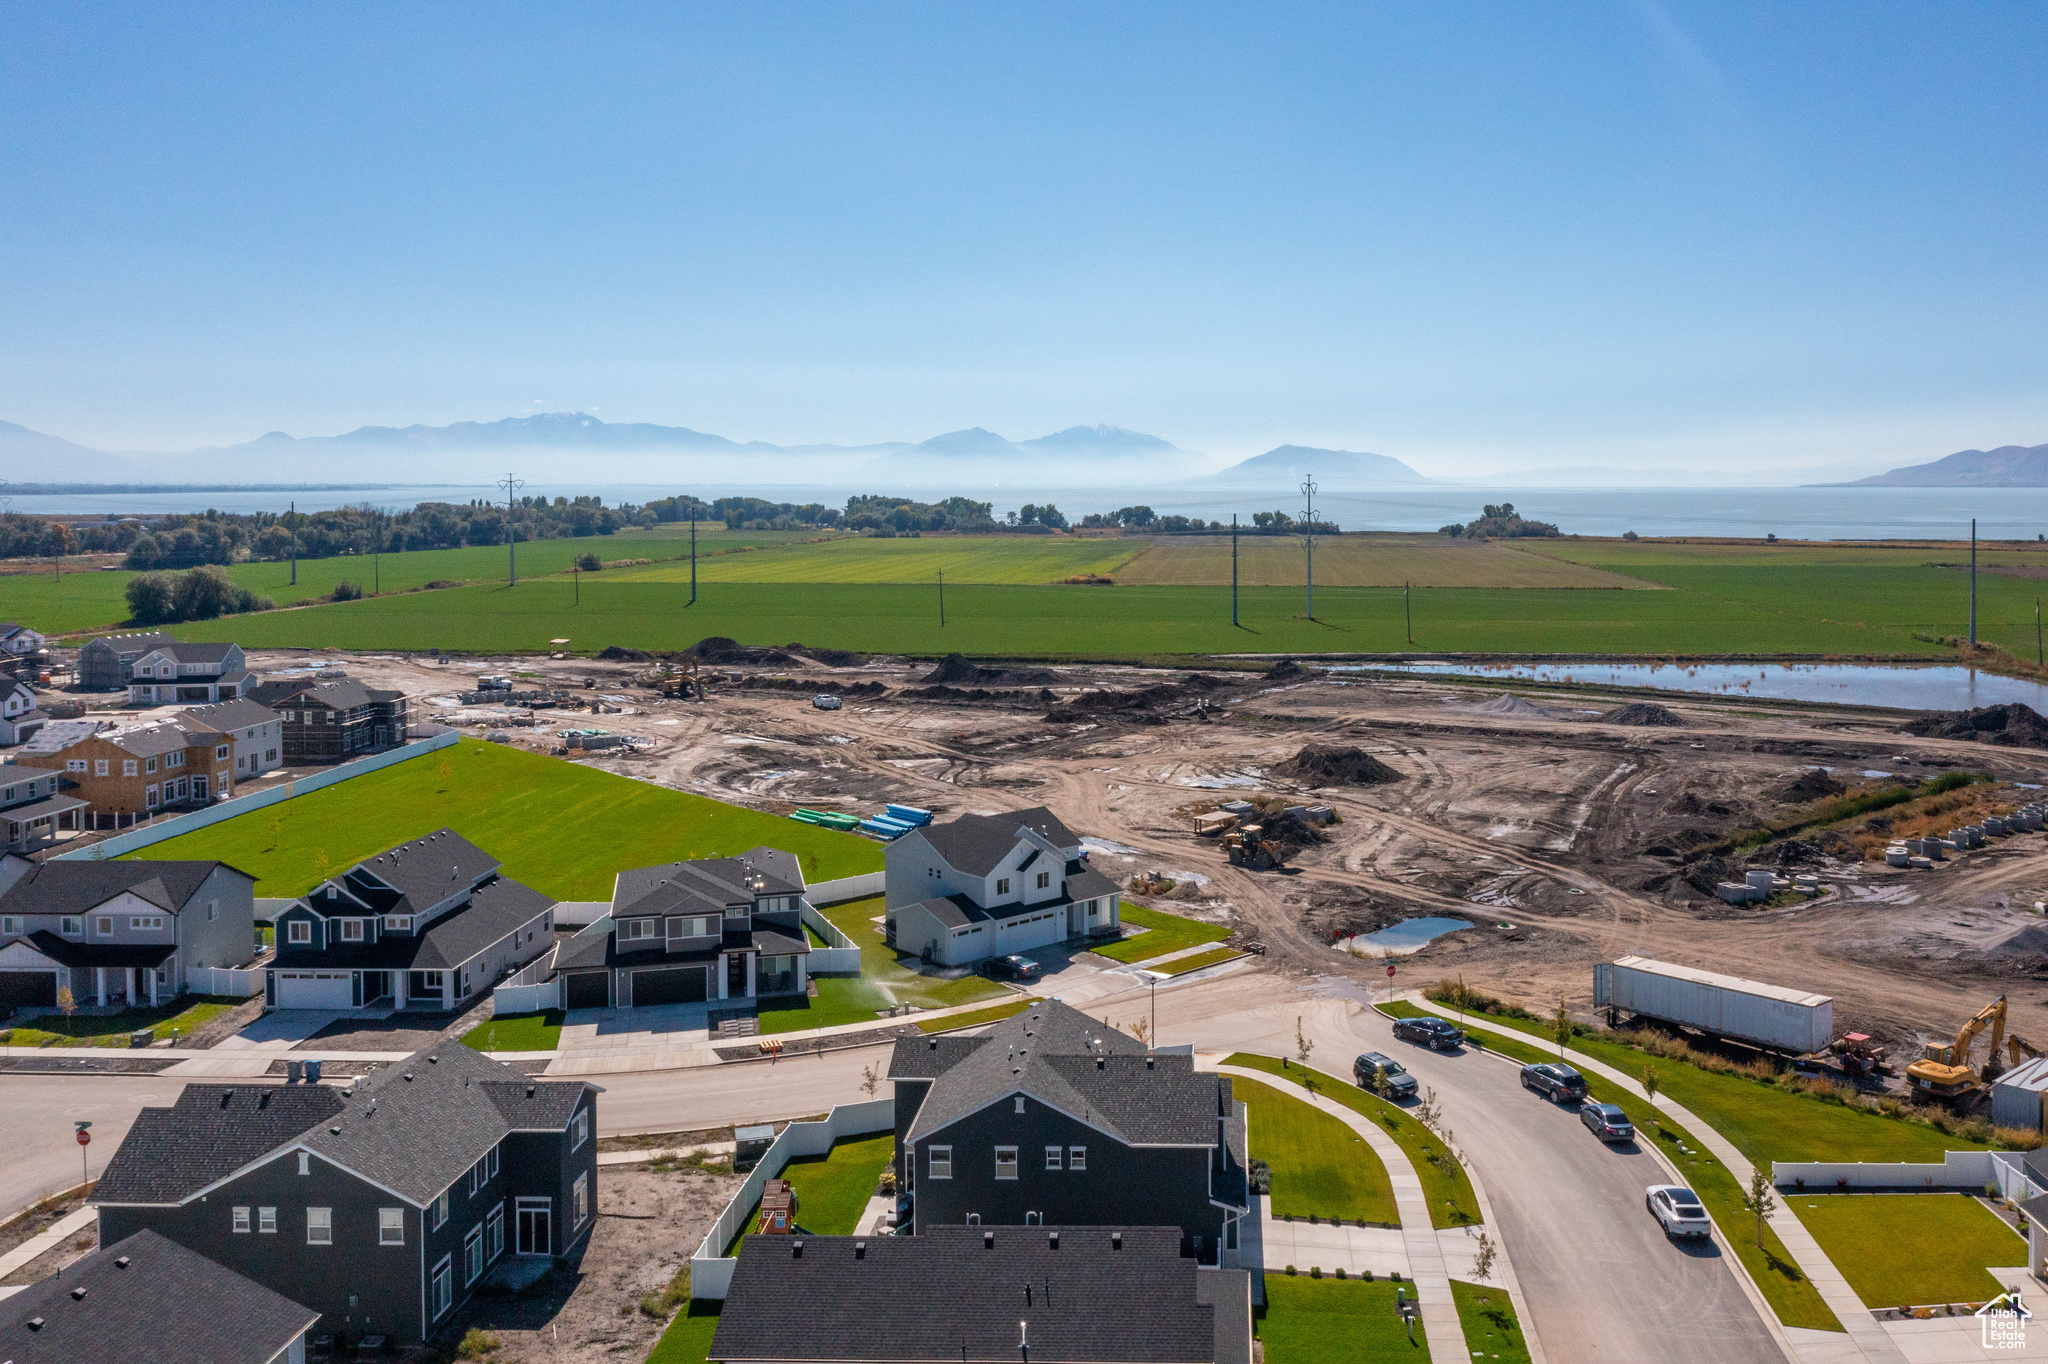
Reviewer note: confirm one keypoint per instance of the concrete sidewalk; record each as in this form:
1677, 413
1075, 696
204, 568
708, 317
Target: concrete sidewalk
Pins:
43, 1242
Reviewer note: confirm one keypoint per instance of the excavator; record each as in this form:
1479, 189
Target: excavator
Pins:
1943, 1070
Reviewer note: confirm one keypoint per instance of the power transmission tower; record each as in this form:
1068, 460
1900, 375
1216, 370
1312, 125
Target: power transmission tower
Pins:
1233, 569
693, 551
511, 484
1308, 512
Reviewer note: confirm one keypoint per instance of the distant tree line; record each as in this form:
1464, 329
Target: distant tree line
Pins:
1500, 522
198, 594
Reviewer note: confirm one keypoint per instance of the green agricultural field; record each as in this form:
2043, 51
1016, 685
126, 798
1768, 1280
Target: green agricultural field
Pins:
963, 559
1332, 1321
1163, 933
563, 829
1367, 560
1320, 1166
1911, 1250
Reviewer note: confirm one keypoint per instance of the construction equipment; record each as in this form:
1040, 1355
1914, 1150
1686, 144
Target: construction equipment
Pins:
1943, 1070
683, 684
2020, 1049
1859, 1057
1250, 847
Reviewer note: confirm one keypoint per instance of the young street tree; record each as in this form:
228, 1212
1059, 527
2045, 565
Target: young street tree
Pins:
1760, 1202
1650, 1090
1482, 1259
1561, 1027
870, 1079
1303, 1043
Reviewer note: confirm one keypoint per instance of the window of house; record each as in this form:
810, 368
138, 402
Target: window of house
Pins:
77, 765
1052, 1157
241, 1221
1020, 1103
441, 1210
149, 796
266, 1221
444, 1285
1044, 879
581, 1128
305, 1162
175, 760
1077, 1157
104, 926
1002, 885
10, 924
398, 923
99, 767
146, 923
472, 1255
299, 931
579, 1198
492, 1161
941, 1161
494, 1231
128, 767
73, 925
391, 1226
212, 909
636, 929
149, 764
221, 753
351, 930
1006, 1162
319, 1226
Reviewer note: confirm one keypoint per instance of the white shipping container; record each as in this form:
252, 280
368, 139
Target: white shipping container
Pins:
2016, 1096
1725, 1006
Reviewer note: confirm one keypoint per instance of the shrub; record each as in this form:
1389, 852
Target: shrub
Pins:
1629, 535
1367, 1276
1340, 1271
346, 591
149, 598
1315, 1271
1260, 1176
589, 563
476, 1343
1290, 1271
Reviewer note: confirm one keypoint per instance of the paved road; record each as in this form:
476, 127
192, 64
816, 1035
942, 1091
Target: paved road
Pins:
36, 1113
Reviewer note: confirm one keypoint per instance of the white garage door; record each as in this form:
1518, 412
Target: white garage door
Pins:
1019, 935
314, 990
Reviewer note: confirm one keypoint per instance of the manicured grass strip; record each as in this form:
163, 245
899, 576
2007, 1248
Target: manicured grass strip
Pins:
1444, 1181
1334, 1321
889, 973
1488, 1316
994, 1014
1784, 1285
562, 828
1911, 1250
688, 1338
540, 1031
1320, 1166
1165, 933
831, 1189
1215, 956
840, 999
183, 1014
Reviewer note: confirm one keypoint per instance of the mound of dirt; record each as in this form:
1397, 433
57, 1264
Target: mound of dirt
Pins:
720, 650
619, 654
1286, 670
1507, 703
1646, 714
957, 671
832, 658
1329, 765
2014, 726
1788, 853
1813, 784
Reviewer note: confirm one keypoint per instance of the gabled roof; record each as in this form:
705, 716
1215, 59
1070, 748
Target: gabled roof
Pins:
975, 844
1069, 1061
9, 629
193, 651
222, 716
429, 870
151, 741
82, 886
149, 1299
952, 1293
136, 643
706, 884
497, 908
346, 694
211, 1132
59, 735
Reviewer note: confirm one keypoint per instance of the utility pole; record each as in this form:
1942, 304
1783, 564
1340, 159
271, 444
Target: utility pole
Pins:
1973, 584
1408, 609
293, 515
377, 571
1308, 493
2037, 632
942, 599
693, 551
1233, 569
576, 577
511, 485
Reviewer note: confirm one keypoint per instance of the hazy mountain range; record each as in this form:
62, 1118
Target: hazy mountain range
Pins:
2009, 466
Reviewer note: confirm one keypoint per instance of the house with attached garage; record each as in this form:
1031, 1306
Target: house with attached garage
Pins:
21, 715
381, 1206
254, 734
1050, 1117
179, 670
32, 811
984, 886
118, 933
108, 663
426, 925
146, 1298
720, 931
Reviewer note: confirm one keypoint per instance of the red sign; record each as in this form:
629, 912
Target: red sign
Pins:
84, 1137
1390, 969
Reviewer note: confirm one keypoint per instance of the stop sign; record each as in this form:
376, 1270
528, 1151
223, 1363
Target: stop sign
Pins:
1390, 969
84, 1137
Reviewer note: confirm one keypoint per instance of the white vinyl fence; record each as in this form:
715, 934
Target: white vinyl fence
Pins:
710, 1268
241, 805
1970, 1170
237, 982
840, 957
581, 913
845, 888
529, 989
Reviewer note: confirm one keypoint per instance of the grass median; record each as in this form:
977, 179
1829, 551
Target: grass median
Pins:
993, 1014
1321, 1168
1784, 1285
1444, 1181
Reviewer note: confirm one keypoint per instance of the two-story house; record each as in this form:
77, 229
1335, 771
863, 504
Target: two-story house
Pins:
20, 714
117, 933
382, 1205
18, 641
31, 811
128, 772
146, 1298
107, 663
328, 722
425, 925
984, 886
723, 930
181, 671
254, 733
1051, 1117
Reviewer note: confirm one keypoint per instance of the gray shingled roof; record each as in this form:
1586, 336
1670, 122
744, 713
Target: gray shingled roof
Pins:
695, 887
212, 1131
241, 713
1085, 883
428, 870
133, 644
495, 909
959, 1292
152, 741
67, 953
78, 887
1065, 1059
976, 843
150, 1300
193, 651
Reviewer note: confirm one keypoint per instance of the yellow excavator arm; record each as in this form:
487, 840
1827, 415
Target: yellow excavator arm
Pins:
1944, 1068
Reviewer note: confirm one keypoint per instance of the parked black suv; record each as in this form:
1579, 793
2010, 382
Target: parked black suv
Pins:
1436, 1033
1555, 1081
1372, 1067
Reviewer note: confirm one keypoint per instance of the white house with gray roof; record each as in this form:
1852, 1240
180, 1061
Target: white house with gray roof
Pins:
255, 733
984, 886
180, 670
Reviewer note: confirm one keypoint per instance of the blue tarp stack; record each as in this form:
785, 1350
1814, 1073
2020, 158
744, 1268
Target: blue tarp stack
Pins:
896, 821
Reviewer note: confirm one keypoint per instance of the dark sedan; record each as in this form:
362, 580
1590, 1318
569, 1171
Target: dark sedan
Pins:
1436, 1033
1555, 1081
1607, 1122
1012, 967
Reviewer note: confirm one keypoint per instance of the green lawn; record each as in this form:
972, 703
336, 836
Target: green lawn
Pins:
995, 1013
182, 1014
1487, 1315
1164, 933
1911, 1250
889, 971
1332, 1321
517, 1032
832, 1189
1444, 1181
564, 829
1180, 966
688, 1338
1791, 1295
963, 559
1319, 1165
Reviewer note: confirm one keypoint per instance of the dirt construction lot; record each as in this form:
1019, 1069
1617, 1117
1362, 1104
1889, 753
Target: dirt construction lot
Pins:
1565, 838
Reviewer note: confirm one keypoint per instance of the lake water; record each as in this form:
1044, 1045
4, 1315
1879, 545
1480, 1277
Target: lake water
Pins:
1790, 513
1407, 936
1912, 688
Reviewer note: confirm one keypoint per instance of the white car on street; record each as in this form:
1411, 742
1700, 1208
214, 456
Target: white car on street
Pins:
1678, 1210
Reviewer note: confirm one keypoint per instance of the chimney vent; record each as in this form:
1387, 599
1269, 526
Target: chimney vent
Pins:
122, 1262
1052, 1240
988, 1240
1150, 1064
796, 1249
78, 1293
1116, 1240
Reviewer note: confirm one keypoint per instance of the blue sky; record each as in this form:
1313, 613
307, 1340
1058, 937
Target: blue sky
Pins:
1477, 237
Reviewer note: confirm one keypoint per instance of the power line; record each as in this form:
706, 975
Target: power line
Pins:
511, 484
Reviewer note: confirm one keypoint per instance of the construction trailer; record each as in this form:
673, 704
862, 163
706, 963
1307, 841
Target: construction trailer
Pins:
2018, 1096
1795, 1021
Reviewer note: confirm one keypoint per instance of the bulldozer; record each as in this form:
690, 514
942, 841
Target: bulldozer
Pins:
1943, 1070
